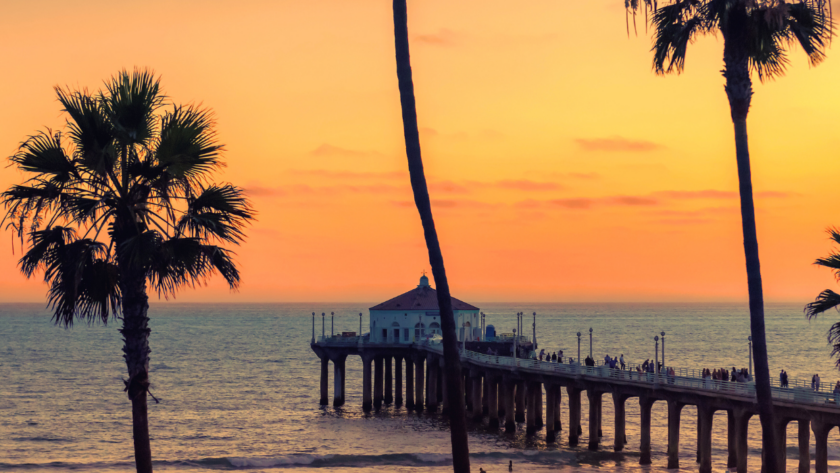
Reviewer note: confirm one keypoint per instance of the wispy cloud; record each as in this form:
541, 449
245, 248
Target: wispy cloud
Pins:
527, 185
327, 174
448, 187
443, 37
327, 149
716, 194
452, 204
617, 144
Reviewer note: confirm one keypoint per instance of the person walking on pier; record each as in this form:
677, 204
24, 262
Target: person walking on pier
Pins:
813, 382
816, 382
554, 357
837, 392
784, 379
621, 360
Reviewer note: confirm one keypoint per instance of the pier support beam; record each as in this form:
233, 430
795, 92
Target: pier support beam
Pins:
531, 408
594, 418
444, 388
389, 392
742, 423
409, 382
538, 404
419, 387
821, 430
558, 397
398, 395
520, 401
620, 421
432, 371
475, 378
377, 382
339, 380
492, 381
645, 405
485, 395
468, 394
705, 414
574, 415
325, 367
367, 398
732, 450
509, 386
550, 406
804, 444
781, 440
674, 411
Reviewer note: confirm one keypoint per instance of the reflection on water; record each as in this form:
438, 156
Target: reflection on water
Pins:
239, 390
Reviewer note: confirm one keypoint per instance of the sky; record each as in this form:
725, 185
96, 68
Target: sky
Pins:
560, 167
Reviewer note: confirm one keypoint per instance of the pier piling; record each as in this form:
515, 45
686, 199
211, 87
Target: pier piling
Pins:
574, 414
620, 421
398, 395
419, 387
339, 380
804, 444
389, 393
325, 367
377, 382
645, 405
409, 382
674, 412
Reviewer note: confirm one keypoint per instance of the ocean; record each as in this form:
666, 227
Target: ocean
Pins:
238, 389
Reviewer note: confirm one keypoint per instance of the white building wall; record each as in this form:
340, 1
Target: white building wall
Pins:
399, 326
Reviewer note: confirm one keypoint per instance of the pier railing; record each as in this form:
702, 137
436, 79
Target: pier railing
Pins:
799, 392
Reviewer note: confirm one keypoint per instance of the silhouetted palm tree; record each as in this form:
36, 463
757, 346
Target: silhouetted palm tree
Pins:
452, 360
829, 299
755, 34
122, 201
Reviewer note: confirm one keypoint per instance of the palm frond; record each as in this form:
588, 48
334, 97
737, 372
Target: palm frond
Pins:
218, 211
130, 104
90, 130
827, 299
44, 247
812, 28
73, 271
42, 154
833, 337
187, 148
187, 262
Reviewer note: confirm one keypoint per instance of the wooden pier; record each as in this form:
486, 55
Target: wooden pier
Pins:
508, 390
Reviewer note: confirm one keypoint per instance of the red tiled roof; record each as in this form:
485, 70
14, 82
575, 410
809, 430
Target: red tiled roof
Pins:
421, 298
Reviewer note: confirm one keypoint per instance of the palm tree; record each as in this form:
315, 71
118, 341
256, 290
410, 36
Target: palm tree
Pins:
124, 202
755, 34
455, 388
829, 299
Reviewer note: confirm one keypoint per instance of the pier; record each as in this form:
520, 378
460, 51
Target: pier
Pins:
509, 390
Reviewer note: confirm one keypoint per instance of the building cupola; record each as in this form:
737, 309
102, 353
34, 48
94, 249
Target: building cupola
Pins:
424, 281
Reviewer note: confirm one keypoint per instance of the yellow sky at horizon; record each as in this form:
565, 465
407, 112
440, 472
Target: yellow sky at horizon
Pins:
560, 167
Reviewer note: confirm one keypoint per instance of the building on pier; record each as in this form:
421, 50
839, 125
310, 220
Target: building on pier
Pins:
415, 316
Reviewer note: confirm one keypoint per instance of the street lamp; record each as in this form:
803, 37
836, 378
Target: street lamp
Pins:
749, 345
323, 325
656, 358
313, 327
663, 348
578, 358
360, 324
515, 345
590, 343
332, 324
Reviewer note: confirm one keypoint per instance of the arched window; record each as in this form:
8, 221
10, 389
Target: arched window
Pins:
419, 331
434, 327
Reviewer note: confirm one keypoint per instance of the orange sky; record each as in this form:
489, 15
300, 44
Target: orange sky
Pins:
560, 167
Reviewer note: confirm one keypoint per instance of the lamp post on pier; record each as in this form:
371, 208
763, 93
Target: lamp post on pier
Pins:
360, 324
749, 347
313, 327
590, 343
535, 331
332, 324
323, 325
663, 348
515, 345
578, 358
656, 358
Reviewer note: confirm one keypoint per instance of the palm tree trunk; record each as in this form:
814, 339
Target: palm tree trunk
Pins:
455, 391
135, 332
739, 91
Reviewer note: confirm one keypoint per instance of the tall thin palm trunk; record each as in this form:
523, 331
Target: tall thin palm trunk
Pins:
135, 332
739, 91
455, 388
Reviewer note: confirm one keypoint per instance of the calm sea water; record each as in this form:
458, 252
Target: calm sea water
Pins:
238, 387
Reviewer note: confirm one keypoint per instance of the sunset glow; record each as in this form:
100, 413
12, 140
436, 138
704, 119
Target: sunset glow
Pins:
560, 167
